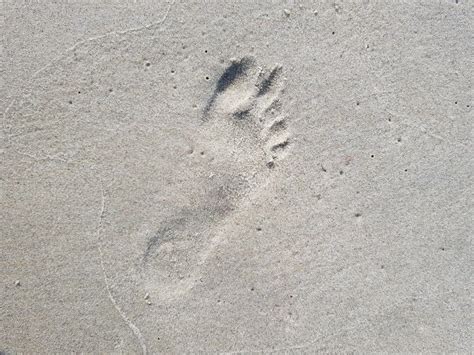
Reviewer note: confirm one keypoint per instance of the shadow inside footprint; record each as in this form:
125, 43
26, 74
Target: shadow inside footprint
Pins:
268, 82
233, 72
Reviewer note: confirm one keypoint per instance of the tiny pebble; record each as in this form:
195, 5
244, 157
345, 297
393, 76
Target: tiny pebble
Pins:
147, 296
148, 302
17, 283
287, 12
315, 12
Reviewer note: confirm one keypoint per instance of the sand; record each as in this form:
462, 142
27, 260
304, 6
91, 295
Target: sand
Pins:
236, 176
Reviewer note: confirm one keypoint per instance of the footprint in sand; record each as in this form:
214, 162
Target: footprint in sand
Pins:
245, 129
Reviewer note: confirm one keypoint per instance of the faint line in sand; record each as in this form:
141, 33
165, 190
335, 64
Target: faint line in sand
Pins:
105, 35
91, 39
129, 323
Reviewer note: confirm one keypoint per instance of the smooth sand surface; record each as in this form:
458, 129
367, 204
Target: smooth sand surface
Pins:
236, 176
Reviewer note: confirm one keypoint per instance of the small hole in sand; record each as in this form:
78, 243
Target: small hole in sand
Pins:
147, 64
389, 120
110, 90
175, 87
202, 153
333, 32
207, 78
78, 92
259, 229
70, 102
172, 71
357, 214
371, 155
205, 51
341, 172
442, 248
399, 139
252, 289
406, 170
455, 102
357, 103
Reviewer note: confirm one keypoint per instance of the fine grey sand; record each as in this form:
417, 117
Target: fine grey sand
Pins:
236, 176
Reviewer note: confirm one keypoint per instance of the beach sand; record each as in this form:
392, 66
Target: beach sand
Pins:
236, 176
